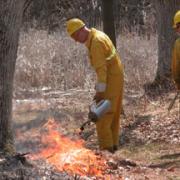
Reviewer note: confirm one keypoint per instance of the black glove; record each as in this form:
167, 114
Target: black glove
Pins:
178, 86
99, 96
92, 116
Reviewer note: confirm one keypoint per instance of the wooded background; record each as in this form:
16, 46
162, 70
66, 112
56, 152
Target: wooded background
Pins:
119, 16
128, 14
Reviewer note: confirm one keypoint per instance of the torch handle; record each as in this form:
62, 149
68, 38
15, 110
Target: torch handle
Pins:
84, 124
173, 101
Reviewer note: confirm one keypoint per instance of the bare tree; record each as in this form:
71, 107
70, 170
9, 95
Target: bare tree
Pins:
165, 10
10, 21
108, 19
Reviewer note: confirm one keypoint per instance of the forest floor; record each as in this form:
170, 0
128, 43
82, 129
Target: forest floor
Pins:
149, 143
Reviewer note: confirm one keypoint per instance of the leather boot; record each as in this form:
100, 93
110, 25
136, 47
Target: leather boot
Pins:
115, 147
111, 150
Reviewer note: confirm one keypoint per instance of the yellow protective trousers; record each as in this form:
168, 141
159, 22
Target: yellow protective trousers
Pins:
109, 71
108, 126
175, 64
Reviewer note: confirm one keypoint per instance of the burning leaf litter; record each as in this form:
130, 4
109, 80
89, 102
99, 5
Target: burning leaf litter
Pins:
146, 128
68, 155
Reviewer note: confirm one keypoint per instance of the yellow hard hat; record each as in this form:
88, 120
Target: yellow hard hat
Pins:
73, 25
176, 19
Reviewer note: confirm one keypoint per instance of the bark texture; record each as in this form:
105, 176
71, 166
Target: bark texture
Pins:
10, 21
165, 10
108, 19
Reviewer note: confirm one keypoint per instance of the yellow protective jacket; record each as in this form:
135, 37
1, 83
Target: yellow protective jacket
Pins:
175, 66
106, 62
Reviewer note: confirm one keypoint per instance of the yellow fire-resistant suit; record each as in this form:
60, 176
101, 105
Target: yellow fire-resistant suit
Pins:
106, 62
176, 63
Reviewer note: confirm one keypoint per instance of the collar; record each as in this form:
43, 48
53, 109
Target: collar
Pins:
90, 36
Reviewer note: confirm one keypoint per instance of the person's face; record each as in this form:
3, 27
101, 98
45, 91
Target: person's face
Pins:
79, 35
177, 29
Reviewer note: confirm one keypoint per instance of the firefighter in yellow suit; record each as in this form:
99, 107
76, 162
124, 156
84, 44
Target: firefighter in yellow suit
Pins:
110, 79
176, 52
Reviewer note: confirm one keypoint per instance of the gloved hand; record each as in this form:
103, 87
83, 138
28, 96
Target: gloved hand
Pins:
92, 116
99, 96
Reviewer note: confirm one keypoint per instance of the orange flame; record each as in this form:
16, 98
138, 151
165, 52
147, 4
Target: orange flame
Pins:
68, 155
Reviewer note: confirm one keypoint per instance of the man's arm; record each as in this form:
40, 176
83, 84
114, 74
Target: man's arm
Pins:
175, 66
99, 64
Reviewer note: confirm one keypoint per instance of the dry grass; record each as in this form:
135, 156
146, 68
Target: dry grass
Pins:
54, 61
139, 56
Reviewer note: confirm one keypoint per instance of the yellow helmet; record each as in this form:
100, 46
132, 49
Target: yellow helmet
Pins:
73, 25
176, 19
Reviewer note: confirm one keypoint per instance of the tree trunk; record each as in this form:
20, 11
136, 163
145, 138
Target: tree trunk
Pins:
108, 19
10, 21
165, 10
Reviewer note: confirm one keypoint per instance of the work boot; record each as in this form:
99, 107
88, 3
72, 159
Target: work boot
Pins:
115, 148
107, 149
111, 150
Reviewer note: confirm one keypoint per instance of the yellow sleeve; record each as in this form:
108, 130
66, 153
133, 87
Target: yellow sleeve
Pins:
99, 61
178, 50
175, 66
173, 63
